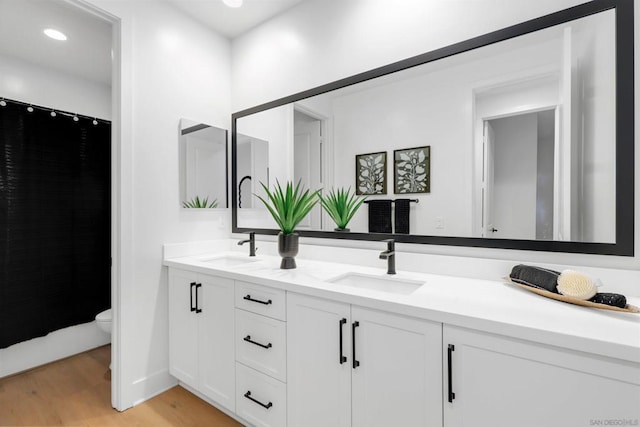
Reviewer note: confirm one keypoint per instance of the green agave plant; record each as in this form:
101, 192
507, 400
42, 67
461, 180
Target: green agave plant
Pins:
289, 206
341, 205
198, 203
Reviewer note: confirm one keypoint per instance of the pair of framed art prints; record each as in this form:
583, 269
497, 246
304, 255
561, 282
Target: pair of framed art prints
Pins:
411, 171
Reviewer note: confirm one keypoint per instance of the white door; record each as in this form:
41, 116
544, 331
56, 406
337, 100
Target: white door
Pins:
512, 145
398, 379
307, 169
183, 327
503, 382
216, 340
318, 363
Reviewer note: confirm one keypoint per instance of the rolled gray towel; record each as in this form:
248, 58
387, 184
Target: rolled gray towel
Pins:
537, 277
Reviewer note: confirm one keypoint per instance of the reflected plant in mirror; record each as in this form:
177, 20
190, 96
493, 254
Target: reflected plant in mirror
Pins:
341, 205
197, 203
203, 166
533, 128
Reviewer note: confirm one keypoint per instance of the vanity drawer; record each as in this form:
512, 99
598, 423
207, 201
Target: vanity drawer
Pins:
260, 399
261, 343
261, 300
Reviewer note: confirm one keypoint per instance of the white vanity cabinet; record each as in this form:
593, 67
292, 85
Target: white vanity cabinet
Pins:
353, 366
499, 381
201, 334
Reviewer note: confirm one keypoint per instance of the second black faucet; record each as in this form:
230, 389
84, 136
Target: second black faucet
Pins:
390, 256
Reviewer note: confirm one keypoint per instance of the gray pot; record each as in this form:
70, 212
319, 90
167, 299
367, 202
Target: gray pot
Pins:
288, 249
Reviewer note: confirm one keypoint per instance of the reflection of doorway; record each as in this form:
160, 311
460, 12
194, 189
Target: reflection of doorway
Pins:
307, 164
519, 168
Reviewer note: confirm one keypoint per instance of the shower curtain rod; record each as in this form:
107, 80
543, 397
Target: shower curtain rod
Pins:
39, 107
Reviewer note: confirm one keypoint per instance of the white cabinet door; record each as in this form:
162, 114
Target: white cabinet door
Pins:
398, 380
216, 351
201, 334
318, 373
183, 327
499, 381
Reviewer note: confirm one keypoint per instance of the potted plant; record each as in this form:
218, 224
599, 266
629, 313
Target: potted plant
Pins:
341, 205
288, 207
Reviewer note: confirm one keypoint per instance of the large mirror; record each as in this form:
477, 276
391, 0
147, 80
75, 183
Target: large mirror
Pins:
203, 165
522, 138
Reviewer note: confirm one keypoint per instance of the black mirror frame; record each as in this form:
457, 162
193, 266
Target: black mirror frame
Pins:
625, 134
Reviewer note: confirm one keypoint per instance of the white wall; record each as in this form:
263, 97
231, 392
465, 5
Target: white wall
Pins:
170, 67
320, 41
22, 81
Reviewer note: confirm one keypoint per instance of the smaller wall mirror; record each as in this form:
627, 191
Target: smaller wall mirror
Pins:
203, 166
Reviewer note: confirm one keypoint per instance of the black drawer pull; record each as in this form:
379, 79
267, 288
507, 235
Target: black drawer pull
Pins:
248, 396
192, 285
354, 325
198, 309
248, 339
450, 350
343, 358
248, 298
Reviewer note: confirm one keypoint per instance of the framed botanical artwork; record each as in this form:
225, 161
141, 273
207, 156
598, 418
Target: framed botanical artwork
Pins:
412, 170
371, 173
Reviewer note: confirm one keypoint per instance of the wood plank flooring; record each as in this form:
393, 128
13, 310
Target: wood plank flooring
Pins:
77, 392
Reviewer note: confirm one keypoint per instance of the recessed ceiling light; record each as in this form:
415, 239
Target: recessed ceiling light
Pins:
233, 3
55, 34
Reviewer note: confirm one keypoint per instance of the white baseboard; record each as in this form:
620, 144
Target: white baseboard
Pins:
55, 346
147, 387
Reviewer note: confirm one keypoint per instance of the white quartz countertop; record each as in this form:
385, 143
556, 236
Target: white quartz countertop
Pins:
492, 306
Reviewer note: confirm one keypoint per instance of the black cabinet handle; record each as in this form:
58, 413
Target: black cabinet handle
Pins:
354, 325
191, 286
450, 350
248, 396
198, 309
343, 358
248, 298
248, 339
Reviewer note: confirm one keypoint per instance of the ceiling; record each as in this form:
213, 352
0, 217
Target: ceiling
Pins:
87, 52
232, 22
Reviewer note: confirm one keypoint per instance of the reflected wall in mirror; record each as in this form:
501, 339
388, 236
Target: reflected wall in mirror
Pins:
203, 165
530, 136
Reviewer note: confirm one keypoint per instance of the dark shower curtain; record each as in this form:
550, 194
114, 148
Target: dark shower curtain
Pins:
55, 220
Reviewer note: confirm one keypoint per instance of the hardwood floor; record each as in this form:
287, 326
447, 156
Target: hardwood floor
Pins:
77, 392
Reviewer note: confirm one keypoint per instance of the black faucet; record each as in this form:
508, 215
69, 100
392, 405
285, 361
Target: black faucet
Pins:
390, 256
252, 243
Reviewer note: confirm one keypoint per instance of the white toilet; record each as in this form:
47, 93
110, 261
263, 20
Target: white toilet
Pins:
103, 319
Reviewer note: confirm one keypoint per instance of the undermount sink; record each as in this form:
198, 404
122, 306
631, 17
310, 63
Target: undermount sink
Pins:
227, 260
378, 283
